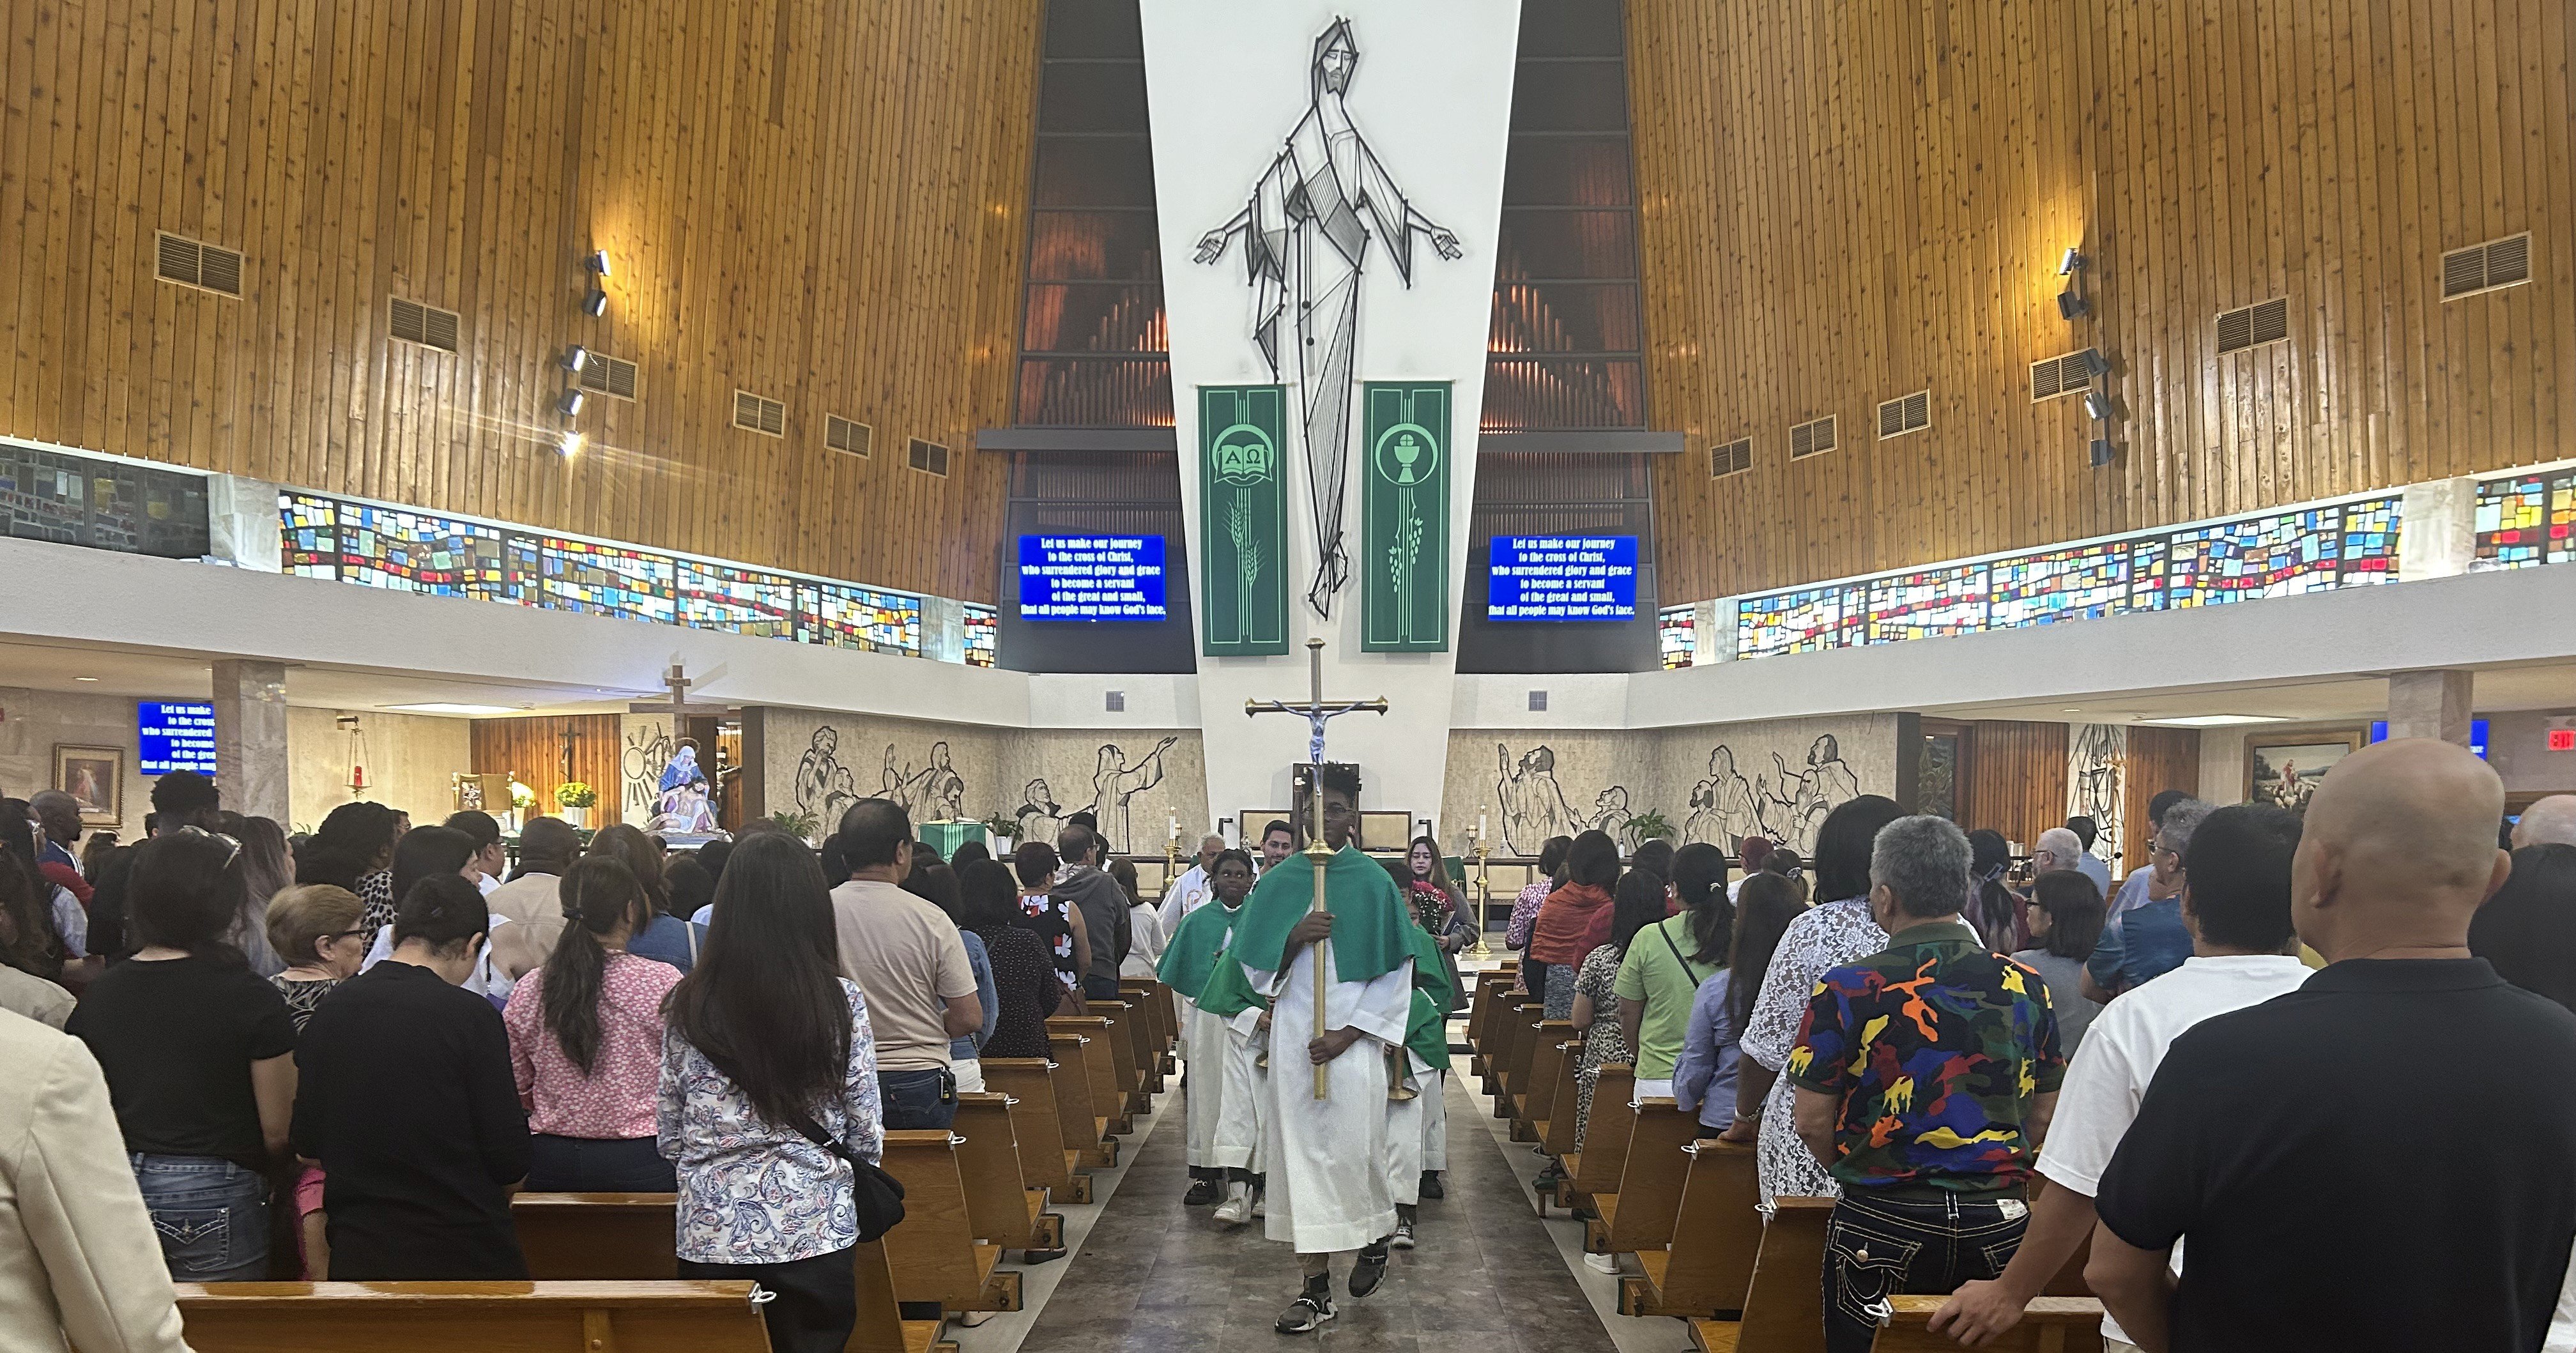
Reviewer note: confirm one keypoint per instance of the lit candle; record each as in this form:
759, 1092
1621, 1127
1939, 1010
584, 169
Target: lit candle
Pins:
1176, 826
1480, 824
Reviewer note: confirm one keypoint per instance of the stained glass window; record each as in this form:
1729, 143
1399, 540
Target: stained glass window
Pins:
1926, 603
2279, 555
105, 505
2369, 550
1677, 635
1792, 622
408, 551
983, 636
606, 580
2147, 573
310, 543
858, 617
2525, 520
718, 597
2079, 584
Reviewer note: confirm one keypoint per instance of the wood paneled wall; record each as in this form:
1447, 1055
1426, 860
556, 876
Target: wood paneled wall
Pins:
818, 201
536, 750
1846, 201
2159, 759
2016, 778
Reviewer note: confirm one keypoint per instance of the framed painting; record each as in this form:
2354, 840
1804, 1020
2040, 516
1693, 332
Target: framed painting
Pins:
2284, 769
95, 778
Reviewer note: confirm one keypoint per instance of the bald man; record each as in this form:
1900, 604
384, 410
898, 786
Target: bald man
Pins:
2547, 822
1194, 886
2384, 1158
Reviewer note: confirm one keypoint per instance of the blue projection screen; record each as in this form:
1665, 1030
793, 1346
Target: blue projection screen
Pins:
1092, 578
1562, 578
174, 735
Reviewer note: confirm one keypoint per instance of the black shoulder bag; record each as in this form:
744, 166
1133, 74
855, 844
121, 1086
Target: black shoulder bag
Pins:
878, 1196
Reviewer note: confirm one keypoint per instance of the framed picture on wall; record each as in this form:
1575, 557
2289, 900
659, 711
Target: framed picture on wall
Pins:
95, 778
2285, 769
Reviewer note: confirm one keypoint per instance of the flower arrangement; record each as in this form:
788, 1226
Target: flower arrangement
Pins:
575, 794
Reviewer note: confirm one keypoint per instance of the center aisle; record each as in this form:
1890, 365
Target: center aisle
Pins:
1155, 1275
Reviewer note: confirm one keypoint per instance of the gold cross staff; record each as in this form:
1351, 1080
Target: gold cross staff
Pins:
1317, 853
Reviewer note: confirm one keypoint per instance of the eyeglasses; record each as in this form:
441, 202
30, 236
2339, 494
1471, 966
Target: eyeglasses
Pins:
232, 846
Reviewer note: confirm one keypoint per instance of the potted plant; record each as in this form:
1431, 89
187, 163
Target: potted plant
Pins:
1003, 827
1647, 826
576, 799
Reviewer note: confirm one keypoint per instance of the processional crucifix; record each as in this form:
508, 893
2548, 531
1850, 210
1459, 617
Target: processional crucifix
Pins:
677, 705
1318, 854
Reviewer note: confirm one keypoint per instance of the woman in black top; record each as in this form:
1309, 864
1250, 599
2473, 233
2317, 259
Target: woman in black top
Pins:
1056, 924
409, 1105
199, 1057
1027, 988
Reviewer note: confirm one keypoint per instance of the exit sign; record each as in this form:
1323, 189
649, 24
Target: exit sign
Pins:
2562, 739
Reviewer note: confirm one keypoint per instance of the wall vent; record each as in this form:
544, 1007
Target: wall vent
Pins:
610, 376
842, 434
1811, 438
192, 263
2068, 374
426, 325
2487, 267
757, 413
1728, 458
1909, 413
929, 457
2253, 326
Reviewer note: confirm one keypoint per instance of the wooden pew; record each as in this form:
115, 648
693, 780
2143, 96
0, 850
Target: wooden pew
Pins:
1564, 1106
2048, 1325
596, 1236
1085, 1131
1515, 1031
1549, 1062
1156, 1028
1595, 1169
1717, 1229
1123, 1025
1784, 1306
1006, 1210
1045, 1160
881, 1327
1491, 987
521, 1317
1639, 1216
1099, 1063
934, 1252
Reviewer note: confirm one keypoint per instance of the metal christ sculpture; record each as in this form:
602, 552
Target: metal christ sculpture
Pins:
1306, 232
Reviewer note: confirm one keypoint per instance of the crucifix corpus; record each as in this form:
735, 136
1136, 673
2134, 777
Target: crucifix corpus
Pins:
1318, 854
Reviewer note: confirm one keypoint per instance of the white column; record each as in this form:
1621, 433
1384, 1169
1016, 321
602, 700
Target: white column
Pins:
2434, 704
250, 737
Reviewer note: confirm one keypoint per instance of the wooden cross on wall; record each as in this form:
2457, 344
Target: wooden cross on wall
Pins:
677, 705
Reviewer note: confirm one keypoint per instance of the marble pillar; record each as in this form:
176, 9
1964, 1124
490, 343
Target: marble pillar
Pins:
2441, 535
2435, 704
250, 737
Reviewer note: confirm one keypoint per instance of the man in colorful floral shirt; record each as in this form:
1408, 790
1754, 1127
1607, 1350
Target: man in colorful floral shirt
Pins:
1925, 1074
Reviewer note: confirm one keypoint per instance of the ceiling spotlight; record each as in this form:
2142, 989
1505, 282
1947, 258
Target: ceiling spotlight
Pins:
2101, 452
596, 303
569, 444
575, 358
2069, 305
2095, 364
2073, 261
599, 262
570, 405
2097, 406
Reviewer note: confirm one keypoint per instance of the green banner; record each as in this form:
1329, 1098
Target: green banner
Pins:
1404, 511
1243, 516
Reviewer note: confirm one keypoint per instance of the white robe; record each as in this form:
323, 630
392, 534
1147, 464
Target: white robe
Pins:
1204, 1037
1417, 1134
1185, 895
1327, 1158
1238, 1144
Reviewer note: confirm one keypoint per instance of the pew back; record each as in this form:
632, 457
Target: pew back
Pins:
508, 1317
600, 1236
2048, 1325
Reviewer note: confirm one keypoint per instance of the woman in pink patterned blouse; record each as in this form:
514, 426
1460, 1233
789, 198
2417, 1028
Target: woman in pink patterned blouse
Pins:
586, 1041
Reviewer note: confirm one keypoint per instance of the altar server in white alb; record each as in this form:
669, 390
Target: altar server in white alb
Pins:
1326, 1157
1212, 1047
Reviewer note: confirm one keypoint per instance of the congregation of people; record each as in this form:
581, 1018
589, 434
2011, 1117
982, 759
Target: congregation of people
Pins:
241, 1055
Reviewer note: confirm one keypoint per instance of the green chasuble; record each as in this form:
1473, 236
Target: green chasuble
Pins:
1191, 953
1426, 1031
1370, 927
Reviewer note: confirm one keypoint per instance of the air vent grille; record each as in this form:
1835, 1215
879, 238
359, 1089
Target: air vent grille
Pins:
929, 457
1910, 413
2057, 377
192, 263
2487, 267
842, 434
426, 325
759, 413
2253, 326
610, 376
1811, 438
1728, 458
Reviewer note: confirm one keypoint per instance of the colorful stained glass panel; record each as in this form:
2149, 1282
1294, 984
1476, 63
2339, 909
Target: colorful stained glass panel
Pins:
1677, 636
2525, 521
2279, 555
408, 551
1792, 622
606, 580
745, 601
2079, 584
1927, 603
983, 636
2368, 553
309, 541
858, 617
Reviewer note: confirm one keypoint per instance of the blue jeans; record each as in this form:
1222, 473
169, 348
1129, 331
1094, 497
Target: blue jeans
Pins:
211, 1216
913, 1099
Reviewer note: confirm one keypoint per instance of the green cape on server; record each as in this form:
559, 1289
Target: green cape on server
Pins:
1370, 925
1190, 955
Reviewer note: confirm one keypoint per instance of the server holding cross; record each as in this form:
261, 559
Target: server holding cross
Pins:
1326, 1140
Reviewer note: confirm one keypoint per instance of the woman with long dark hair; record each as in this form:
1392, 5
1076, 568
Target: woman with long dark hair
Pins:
1663, 971
1704, 1078
1025, 989
200, 1059
586, 1042
1438, 906
1993, 912
1575, 919
36, 936
1525, 909
267, 870
354, 849
766, 1043
1638, 908
663, 937
1836, 931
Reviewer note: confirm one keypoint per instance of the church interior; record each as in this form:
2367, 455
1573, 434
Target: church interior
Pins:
1128, 422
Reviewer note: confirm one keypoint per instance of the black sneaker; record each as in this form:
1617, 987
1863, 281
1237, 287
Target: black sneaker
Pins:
1202, 1192
1403, 1239
1306, 1314
1431, 1185
1370, 1270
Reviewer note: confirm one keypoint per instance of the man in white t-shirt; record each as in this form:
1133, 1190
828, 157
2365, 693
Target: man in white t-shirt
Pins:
2236, 899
